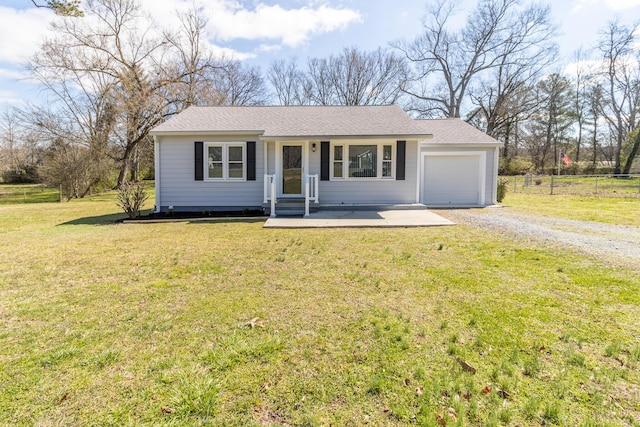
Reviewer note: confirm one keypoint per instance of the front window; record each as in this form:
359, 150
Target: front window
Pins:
338, 161
226, 161
387, 165
362, 161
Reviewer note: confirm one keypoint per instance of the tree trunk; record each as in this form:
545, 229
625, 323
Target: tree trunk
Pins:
634, 152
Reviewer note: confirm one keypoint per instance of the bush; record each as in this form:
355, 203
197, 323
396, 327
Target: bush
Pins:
25, 175
514, 166
502, 189
131, 197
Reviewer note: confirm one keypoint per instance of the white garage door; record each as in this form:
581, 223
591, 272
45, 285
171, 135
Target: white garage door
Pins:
452, 180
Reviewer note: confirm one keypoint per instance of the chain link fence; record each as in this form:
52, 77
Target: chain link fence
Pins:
580, 185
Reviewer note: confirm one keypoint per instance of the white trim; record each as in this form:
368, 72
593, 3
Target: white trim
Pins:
418, 173
482, 172
265, 160
279, 172
494, 188
156, 159
225, 161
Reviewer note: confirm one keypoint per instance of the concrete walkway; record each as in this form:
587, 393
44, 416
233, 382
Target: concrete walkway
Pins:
359, 218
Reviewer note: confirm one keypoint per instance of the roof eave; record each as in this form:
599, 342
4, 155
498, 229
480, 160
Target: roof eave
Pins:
206, 132
462, 144
270, 138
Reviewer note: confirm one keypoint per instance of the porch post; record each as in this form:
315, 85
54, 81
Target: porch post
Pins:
273, 198
306, 196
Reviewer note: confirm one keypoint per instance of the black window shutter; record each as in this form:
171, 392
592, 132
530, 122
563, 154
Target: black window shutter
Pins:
324, 160
199, 160
401, 154
251, 161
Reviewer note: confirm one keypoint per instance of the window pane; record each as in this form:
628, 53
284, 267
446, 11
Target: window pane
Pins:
236, 170
235, 154
386, 169
386, 152
215, 154
215, 169
337, 152
337, 169
363, 161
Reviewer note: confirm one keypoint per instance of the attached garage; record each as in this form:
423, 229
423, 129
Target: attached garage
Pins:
453, 179
458, 166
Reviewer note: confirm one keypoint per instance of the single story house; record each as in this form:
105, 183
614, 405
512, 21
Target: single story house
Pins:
285, 157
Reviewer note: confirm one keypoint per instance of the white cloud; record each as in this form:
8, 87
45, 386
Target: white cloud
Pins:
10, 98
622, 4
11, 74
616, 5
21, 32
292, 27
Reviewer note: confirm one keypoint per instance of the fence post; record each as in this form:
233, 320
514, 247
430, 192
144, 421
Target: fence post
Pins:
596, 184
552, 184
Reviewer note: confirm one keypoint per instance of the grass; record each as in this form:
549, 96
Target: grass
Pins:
149, 324
27, 193
578, 185
587, 208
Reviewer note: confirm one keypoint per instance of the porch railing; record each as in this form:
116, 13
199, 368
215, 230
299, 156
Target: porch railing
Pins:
310, 192
270, 193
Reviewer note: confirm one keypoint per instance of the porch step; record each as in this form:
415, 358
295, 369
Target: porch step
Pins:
290, 207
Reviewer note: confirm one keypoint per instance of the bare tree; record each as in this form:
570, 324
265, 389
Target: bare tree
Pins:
583, 78
21, 151
288, 82
365, 78
234, 84
61, 7
121, 59
353, 77
593, 113
549, 126
621, 61
447, 62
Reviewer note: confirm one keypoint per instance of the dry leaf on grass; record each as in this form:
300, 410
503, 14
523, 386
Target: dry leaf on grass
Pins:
255, 322
166, 410
504, 394
465, 366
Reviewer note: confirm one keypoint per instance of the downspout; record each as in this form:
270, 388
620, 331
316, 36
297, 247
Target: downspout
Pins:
418, 170
156, 168
494, 190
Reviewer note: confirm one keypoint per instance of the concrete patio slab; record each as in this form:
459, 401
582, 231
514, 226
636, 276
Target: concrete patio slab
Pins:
361, 218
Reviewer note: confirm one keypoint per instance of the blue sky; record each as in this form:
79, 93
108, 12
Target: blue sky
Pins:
260, 31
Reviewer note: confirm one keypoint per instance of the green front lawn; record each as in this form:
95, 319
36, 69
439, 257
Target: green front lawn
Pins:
610, 210
27, 193
150, 324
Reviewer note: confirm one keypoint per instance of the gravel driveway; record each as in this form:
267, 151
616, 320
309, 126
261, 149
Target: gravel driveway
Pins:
617, 242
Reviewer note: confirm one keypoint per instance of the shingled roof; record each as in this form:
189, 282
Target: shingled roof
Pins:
454, 131
296, 121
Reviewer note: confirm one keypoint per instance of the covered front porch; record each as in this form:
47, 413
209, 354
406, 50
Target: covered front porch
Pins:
361, 218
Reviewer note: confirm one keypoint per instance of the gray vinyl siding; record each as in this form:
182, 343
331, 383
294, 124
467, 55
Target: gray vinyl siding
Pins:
179, 189
490, 168
373, 192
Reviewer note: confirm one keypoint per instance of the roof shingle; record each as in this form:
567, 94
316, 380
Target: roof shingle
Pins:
454, 131
296, 121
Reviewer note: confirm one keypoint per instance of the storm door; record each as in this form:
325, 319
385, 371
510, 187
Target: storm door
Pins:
292, 170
